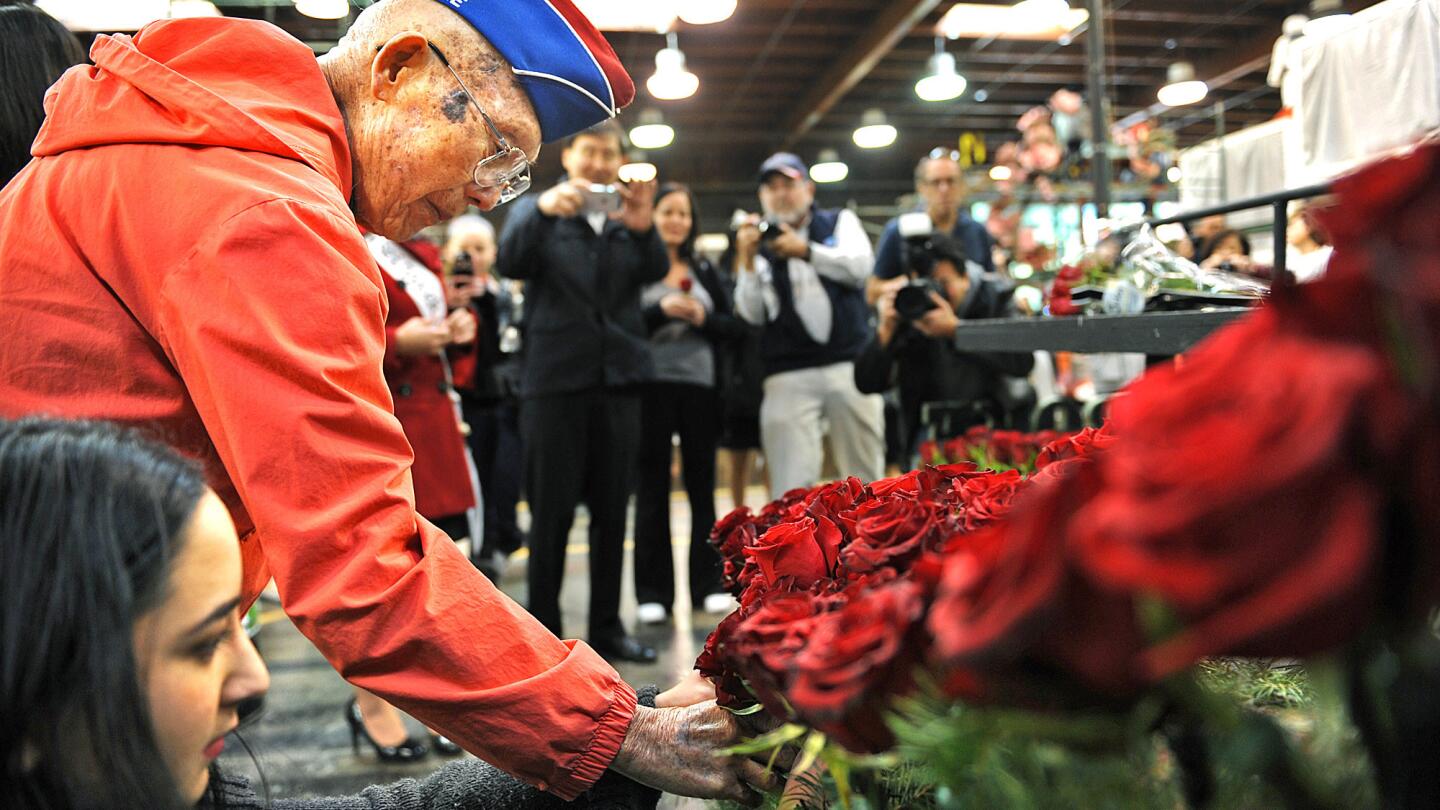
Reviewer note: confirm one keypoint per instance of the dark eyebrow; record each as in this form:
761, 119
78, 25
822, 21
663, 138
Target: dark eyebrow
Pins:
216, 614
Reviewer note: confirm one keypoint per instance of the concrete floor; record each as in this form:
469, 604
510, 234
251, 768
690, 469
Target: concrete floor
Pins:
302, 742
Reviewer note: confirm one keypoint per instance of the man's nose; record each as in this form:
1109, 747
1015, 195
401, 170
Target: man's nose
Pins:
482, 197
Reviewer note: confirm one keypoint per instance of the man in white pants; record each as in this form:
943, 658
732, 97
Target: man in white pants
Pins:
803, 280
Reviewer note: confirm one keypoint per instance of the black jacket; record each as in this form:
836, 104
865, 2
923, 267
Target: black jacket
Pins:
935, 370
584, 328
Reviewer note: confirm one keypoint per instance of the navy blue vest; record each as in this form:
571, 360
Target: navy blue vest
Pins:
785, 344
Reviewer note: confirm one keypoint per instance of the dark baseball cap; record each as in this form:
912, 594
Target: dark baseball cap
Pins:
784, 163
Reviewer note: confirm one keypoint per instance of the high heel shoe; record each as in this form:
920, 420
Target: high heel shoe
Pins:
408, 751
443, 745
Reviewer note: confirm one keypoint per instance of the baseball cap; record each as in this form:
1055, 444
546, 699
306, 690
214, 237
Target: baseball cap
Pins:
784, 163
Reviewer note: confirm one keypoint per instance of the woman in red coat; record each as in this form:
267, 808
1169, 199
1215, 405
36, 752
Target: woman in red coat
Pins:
420, 333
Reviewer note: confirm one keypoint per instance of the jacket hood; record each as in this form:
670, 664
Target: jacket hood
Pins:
243, 84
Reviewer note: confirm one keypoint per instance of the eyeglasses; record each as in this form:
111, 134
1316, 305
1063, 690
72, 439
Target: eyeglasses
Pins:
508, 169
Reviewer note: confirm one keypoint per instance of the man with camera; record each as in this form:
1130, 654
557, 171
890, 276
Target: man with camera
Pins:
914, 346
584, 248
941, 186
800, 276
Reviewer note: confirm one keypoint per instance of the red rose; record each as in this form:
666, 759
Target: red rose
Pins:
984, 499
805, 549
909, 482
686, 285
762, 646
857, 660
889, 532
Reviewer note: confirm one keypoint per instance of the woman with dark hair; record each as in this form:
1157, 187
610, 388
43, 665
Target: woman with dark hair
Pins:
34, 50
1226, 250
122, 598
688, 313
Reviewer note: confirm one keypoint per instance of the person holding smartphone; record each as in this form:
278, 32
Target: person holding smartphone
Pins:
585, 248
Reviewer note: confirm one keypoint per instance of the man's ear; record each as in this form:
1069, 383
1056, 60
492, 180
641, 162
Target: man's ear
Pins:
396, 62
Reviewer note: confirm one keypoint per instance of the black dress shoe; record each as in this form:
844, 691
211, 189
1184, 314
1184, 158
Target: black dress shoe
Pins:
625, 648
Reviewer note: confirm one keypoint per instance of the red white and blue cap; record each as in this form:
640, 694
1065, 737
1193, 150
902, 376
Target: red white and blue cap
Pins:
571, 74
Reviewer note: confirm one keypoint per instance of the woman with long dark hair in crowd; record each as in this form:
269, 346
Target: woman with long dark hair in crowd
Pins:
689, 312
123, 666
34, 50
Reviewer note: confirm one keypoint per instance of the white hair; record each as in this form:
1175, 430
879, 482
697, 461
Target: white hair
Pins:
468, 225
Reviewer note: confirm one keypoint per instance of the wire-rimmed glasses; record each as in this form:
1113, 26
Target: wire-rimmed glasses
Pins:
508, 169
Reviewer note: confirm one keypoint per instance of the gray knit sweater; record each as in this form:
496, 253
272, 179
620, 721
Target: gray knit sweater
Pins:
468, 784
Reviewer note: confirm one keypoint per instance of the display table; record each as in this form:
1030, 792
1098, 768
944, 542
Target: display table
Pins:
1151, 333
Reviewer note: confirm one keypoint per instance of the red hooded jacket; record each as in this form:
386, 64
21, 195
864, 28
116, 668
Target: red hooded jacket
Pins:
180, 257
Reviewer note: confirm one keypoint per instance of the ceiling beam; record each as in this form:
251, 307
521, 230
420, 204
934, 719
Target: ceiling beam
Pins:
850, 67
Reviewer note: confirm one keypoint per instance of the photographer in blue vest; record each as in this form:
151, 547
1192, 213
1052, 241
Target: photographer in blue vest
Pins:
800, 275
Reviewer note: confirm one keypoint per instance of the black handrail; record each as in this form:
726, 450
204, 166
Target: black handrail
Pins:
1276, 201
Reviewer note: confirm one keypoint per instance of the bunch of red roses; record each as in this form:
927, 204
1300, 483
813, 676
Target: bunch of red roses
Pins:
835, 584
990, 448
1272, 496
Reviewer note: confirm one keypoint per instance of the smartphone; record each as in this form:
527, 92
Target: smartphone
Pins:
600, 198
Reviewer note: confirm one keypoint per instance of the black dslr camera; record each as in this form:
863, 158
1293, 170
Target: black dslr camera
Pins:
917, 249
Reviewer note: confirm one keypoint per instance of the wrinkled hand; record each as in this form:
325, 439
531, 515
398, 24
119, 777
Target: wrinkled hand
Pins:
461, 324
561, 201
638, 209
418, 336
940, 322
675, 750
790, 245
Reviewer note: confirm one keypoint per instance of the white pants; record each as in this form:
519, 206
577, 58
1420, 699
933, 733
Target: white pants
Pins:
794, 416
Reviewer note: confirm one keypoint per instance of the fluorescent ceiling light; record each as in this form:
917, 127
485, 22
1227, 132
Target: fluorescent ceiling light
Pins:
829, 168
613, 15
639, 172
706, 12
1181, 87
323, 9
874, 132
974, 21
651, 131
105, 15
1000, 173
1173, 174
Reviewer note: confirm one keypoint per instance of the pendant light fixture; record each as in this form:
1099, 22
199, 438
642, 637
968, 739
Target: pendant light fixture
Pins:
323, 9
943, 82
706, 12
651, 131
874, 132
829, 168
638, 168
1182, 88
671, 80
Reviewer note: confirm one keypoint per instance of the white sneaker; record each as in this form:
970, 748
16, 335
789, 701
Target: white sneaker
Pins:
720, 603
650, 613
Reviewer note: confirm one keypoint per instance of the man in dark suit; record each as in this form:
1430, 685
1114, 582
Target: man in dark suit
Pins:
585, 354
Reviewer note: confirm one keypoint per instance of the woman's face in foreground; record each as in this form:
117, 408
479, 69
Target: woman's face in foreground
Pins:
196, 664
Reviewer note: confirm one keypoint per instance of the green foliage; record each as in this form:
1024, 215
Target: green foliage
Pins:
1274, 736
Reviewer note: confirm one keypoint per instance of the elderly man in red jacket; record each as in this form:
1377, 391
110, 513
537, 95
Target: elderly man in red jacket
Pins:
182, 255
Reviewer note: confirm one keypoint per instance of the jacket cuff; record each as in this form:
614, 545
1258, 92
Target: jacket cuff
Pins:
610, 734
